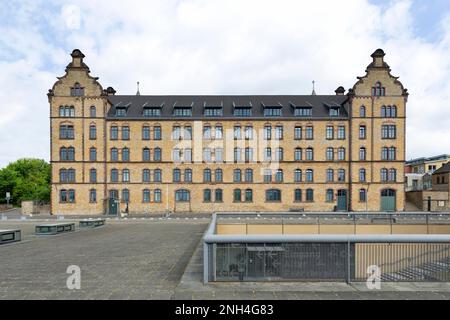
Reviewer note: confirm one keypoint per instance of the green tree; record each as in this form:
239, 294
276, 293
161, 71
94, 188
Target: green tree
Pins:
26, 179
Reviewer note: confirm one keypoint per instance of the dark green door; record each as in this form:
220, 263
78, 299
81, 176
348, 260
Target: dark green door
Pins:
112, 206
388, 200
342, 200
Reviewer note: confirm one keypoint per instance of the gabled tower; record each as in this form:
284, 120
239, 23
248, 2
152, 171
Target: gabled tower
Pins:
377, 122
77, 125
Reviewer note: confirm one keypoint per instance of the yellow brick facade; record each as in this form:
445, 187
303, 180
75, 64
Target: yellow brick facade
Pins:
95, 96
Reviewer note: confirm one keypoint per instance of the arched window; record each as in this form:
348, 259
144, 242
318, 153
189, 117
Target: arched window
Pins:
157, 177
63, 175
384, 153
125, 195
309, 175
114, 175
362, 153
248, 195
92, 154
218, 175
77, 90
384, 174
383, 112
237, 195
362, 111
309, 154
71, 153
267, 175
176, 175
279, 175
176, 155
330, 154
298, 154
93, 175
378, 90
279, 154
146, 195
297, 195
392, 153
273, 195
187, 175
63, 154
248, 175
157, 195
267, 154
237, 175
362, 175
218, 195
362, 195
146, 175
207, 175
114, 154
66, 132
329, 195
341, 153
92, 132
309, 195
207, 195
297, 175
392, 175
146, 154
125, 154
67, 111
182, 195
394, 112
157, 154
330, 175
93, 112
92, 195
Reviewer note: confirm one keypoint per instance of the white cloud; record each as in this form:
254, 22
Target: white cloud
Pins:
220, 47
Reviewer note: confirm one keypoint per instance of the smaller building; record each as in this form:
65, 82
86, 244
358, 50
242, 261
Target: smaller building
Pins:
426, 164
438, 197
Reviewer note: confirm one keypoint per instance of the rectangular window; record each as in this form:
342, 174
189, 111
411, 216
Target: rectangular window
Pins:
362, 132
145, 133
66, 132
341, 132
121, 112
92, 196
92, 132
334, 112
248, 132
213, 112
207, 133
330, 132
298, 133
272, 112
279, 132
187, 133
267, 132
218, 133
298, 195
176, 133
242, 112
388, 131
309, 132
237, 133
157, 133
151, 112
125, 133
114, 133
182, 111
303, 112
218, 154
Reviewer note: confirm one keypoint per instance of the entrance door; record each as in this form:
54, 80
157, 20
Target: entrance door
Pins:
113, 203
388, 200
342, 200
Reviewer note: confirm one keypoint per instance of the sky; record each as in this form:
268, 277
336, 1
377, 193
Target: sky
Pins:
222, 47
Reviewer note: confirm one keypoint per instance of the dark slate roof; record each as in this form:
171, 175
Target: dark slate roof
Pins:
444, 169
320, 105
425, 159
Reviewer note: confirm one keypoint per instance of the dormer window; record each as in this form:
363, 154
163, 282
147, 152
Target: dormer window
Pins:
77, 90
121, 111
213, 111
272, 111
378, 90
182, 111
334, 112
242, 111
152, 112
303, 111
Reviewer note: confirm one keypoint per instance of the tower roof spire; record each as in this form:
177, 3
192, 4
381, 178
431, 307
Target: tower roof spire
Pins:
313, 93
138, 93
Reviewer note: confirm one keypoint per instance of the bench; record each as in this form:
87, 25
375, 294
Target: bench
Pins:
7, 236
92, 223
46, 229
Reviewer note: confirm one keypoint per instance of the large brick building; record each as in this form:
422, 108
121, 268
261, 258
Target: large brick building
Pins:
113, 153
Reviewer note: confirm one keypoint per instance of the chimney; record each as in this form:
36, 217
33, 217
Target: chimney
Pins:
340, 91
378, 58
77, 58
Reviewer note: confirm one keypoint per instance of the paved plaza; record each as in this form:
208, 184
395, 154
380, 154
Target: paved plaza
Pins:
153, 258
